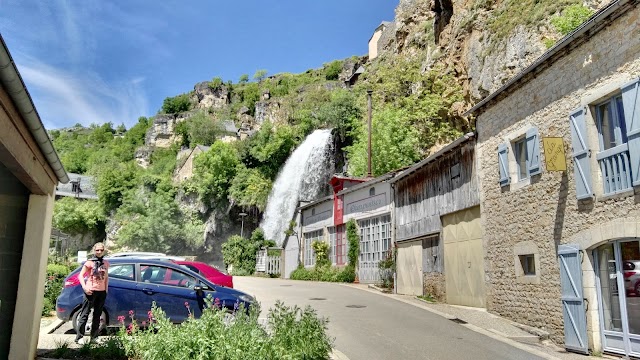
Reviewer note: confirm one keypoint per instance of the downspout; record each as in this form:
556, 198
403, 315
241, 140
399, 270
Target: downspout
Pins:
11, 81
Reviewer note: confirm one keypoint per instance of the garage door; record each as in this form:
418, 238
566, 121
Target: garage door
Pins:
409, 268
464, 258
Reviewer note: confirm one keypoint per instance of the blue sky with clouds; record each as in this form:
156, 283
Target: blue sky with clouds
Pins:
93, 61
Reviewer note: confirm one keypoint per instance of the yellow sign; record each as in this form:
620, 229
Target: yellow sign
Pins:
554, 154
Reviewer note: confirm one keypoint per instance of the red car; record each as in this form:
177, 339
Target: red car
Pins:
212, 274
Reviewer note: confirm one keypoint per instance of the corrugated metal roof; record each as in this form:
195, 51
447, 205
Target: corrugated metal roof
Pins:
79, 186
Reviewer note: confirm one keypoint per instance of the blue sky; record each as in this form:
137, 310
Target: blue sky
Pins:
93, 61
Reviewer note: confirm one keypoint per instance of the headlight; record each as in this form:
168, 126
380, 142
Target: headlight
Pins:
246, 298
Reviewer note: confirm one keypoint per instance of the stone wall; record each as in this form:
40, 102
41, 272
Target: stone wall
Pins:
434, 285
543, 212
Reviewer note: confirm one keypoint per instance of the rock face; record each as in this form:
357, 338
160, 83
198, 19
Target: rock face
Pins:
207, 97
162, 133
270, 110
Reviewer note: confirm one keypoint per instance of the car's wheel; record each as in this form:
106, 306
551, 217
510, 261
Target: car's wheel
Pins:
87, 329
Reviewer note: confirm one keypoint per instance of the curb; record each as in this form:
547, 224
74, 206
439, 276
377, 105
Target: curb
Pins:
52, 327
337, 355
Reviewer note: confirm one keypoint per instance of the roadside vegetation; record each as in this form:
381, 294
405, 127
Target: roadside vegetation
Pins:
289, 333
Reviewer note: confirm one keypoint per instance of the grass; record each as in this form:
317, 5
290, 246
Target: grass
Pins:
107, 349
427, 298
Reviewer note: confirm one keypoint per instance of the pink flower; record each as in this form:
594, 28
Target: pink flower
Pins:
186, 304
121, 319
130, 312
144, 323
150, 314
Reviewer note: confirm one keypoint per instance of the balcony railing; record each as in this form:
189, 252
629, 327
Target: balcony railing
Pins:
615, 169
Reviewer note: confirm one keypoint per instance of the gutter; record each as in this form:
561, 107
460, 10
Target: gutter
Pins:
584, 29
11, 81
433, 157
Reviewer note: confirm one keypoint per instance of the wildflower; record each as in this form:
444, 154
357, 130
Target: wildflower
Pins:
121, 319
186, 304
150, 314
144, 323
130, 312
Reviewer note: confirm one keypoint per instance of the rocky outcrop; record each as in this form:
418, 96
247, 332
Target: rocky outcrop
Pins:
143, 156
162, 133
271, 111
207, 97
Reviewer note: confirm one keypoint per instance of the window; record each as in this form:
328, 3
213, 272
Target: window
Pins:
164, 276
372, 191
617, 120
375, 238
528, 264
121, 271
332, 245
520, 150
309, 238
313, 211
525, 160
338, 245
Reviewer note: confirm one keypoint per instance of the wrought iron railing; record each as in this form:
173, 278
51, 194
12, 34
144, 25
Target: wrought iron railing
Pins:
615, 169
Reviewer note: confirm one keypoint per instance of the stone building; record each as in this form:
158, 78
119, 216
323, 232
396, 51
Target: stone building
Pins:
436, 211
185, 171
29, 171
563, 245
374, 41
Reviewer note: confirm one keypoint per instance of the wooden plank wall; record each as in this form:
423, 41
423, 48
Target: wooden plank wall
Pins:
435, 190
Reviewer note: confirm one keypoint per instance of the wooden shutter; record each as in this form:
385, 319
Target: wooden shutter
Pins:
503, 160
533, 152
581, 154
631, 104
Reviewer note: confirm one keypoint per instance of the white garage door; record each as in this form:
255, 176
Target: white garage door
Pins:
464, 258
409, 268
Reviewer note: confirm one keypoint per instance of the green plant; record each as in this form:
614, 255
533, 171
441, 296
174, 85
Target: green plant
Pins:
571, 18
294, 333
53, 286
548, 42
260, 75
176, 104
427, 298
354, 242
332, 70
244, 78
321, 249
387, 268
216, 83
326, 273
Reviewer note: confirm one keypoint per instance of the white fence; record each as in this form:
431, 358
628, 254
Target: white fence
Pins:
268, 264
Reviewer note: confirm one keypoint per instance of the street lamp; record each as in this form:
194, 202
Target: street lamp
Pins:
242, 215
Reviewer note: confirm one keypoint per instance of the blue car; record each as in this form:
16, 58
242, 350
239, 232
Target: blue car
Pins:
135, 283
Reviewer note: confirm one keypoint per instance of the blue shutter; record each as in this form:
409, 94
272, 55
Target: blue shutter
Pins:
581, 154
631, 104
572, 298
533, 152
503, 161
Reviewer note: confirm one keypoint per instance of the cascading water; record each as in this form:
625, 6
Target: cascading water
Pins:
303, 177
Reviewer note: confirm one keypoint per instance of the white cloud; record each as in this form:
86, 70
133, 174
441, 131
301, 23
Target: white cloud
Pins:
64, 98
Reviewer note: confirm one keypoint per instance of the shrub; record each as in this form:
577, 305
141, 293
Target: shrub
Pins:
176, 104
293, 333
321, 250
53, 286
571, 18
326, 273
332, 70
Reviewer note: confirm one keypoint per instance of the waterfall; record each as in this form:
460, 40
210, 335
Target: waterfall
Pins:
303, 177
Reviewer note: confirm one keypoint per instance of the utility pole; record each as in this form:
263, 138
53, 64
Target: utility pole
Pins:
242, 215
369, 172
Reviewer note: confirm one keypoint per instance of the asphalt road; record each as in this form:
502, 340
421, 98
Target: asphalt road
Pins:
368, 326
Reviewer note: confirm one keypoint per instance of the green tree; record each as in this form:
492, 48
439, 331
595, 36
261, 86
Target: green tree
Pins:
244, 78
241, 254
260, 75
216, 83
395, 144
213, 172
153, 222
74, 216
332, 70
250, 188
201, 129
176, 104
270, 147
113, 180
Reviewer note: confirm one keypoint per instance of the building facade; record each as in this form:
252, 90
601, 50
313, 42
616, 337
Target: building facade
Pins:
437, 227
29, 171
562, 245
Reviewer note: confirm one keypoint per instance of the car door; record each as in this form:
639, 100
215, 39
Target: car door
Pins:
171, 289
122, 294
